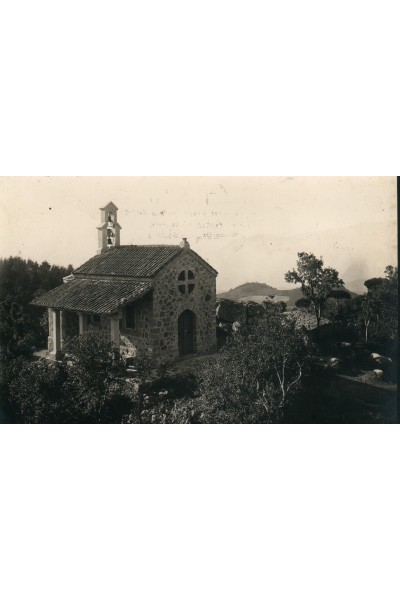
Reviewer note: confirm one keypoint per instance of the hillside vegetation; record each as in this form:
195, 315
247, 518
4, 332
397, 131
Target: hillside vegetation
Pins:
259, 291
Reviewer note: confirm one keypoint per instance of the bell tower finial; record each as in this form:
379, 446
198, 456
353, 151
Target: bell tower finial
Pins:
109, 230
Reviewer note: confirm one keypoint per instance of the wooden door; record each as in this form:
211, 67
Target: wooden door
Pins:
186, 332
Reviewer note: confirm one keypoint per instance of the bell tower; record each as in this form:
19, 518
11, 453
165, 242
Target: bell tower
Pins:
109, 230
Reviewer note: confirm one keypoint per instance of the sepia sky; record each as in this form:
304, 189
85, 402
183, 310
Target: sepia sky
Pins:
55, 218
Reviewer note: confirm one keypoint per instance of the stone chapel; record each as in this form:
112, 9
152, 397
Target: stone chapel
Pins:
161, 297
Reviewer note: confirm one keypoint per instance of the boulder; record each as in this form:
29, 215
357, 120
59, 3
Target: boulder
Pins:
381, 361
327, 363
127, 350
334, 363
378, 373
231, 311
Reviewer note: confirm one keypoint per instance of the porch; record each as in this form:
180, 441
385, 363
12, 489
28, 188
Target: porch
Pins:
80, 303
65, 324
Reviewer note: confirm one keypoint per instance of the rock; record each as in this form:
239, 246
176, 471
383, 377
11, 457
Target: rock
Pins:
327, 363
236, 326
231, 311
382, 361
127, 349
334, 363
378, 373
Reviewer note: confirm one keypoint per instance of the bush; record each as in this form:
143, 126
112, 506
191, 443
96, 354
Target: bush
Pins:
37, 394
88, 387
257, 375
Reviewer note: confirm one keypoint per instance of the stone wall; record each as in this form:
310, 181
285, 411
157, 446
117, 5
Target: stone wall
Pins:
140, 336
169, 303
157, 313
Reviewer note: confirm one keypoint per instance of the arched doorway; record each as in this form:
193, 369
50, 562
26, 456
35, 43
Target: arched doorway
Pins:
187, 333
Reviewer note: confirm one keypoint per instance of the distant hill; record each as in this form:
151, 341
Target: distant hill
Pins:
259, 291
357, 252
249, 289
357, 286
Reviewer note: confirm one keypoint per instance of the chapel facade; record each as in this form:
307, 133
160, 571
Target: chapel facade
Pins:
161, 297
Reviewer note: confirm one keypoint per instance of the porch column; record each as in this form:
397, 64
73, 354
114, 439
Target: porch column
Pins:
63, 329
55, 354
82, 323
114, 321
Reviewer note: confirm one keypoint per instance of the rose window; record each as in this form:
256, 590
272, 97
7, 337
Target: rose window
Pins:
186, 282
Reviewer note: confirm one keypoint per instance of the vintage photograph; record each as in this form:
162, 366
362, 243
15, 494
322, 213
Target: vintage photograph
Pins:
198, 300
199, 228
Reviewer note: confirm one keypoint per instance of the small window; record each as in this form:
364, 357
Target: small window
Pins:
183, 280
130, 316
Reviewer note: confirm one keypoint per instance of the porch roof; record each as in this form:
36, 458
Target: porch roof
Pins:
95, 296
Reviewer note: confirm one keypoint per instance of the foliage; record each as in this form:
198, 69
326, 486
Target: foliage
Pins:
317, 282
144, 364
374, 283
161, 409
21, 280
275, 307
303, 303
19, 331
339, 294
258, 373
37, 394
95, 370
88, 387
23, 328
379, 306
338, 310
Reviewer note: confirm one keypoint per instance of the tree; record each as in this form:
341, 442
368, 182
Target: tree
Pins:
366, 305
317, 282
270, 305
37, 394
258, 373
95, 375
389, 314
89, 386
380, 305
21, 326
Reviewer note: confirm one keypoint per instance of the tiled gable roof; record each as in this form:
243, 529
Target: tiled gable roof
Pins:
129, 261
93, 295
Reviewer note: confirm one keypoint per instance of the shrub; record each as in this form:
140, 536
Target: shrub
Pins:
259, 372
